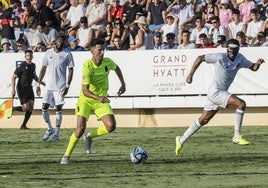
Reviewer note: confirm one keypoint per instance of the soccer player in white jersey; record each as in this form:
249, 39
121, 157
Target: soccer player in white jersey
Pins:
55, 64
226, 66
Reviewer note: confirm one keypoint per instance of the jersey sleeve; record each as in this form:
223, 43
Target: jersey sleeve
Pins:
212, 58
86, 73
244, 62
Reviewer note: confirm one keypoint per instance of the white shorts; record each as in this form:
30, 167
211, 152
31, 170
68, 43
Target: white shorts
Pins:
53, 97
216, 99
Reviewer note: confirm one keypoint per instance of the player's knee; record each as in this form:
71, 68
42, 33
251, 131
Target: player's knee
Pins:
204, 121
242, 105
45, 107
111, 126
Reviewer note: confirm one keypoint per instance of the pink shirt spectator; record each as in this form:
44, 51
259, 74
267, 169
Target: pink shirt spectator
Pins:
245, 8
225, 17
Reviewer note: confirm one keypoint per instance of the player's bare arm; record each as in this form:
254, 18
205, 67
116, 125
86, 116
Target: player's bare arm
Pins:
122, 89
90, 94
257, 65
40, 80
13, 83
70, 78
196, 64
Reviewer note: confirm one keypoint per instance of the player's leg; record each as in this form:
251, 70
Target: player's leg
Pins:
240, 106
205, 117
47, 100
81, 126
104, 113
28, 108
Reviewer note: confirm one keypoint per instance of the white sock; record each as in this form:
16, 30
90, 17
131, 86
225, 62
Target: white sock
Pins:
190, 131
46, 117
239, 114
58, 122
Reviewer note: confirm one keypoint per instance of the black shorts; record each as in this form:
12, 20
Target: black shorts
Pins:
25, 94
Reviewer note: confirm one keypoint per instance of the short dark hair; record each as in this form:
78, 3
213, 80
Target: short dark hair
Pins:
203, 35
28, 51
96, 42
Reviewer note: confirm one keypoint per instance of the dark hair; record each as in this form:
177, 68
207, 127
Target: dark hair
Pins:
203, 35
236, 11
216, 18
233, 41
96, 42
28, 51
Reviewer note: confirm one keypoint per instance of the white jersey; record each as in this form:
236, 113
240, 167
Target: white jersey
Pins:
57, 64
225, 69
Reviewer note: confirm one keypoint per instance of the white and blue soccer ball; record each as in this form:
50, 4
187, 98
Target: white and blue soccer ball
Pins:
138, 155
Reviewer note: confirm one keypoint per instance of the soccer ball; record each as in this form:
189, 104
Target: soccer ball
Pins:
138, 155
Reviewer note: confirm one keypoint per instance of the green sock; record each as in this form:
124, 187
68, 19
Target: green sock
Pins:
102, 130
71, 145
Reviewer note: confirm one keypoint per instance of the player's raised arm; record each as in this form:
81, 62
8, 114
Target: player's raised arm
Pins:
196, 64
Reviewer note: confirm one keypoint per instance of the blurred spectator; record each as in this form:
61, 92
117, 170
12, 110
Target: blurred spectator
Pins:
236, 25
210, 10
25, 16
204, 42
117, 43
216, 29
73, 45
7, 20
42, 13
158, 45
115, 10
186, 44
40, 47
97, 15
225, 13
254, 26
84, 34
156, 14
241, 37
123, 32
144, 38
222, 42
197, 30
264, 26
171, 26
18, 10
5, 44
170, 42
46, 35
108, 33
73, 15
260, 40
22, 45
30, 32
184, 12
245, 8
263, 7
58, 7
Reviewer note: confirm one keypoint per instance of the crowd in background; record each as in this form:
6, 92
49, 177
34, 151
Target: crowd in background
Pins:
132, 24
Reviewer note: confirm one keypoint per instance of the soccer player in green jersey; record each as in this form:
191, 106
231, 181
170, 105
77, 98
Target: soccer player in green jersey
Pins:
94, 97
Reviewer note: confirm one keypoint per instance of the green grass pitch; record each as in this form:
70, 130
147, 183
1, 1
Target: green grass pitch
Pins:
208, 159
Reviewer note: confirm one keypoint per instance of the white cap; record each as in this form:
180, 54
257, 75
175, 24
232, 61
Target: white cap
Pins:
224, 1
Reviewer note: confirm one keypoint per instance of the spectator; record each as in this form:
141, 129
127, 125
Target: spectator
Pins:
115, 10
186, 44
97, 16
25, 15
59, 7
225, 13
117, 44
22, 45
7, 20
73, 15
184, 12
144, 38
5, 44
264, 26
108, 33
158, 45
40, 47
30, 32
42, 13
73, 45
263, 7
236, 25
170, 42
241, 37
222, 42
156, 14
245, 8
216, 29
46, 35
171, 26
84, 34
260, 40
254, 26
204, 42
210, 10
123, 32
197, 30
